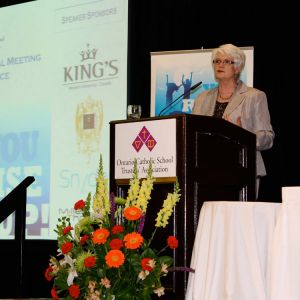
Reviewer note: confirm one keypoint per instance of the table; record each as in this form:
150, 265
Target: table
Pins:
285, 260
247, 250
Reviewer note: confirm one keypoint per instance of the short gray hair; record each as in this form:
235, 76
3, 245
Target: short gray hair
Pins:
234, 52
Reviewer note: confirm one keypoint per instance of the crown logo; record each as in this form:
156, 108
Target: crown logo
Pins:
88, 54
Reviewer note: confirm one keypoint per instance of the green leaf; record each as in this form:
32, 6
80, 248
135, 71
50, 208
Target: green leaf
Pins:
144, 293
125, 294
166, 260
148, 253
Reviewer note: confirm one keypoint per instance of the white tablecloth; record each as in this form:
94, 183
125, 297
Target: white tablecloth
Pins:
246, 251
285, 260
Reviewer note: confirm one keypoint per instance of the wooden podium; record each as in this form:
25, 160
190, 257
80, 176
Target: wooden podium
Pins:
215, 160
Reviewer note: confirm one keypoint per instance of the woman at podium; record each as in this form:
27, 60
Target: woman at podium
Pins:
236, 102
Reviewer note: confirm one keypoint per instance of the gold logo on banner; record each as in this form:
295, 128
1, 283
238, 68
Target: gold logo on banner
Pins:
88, 123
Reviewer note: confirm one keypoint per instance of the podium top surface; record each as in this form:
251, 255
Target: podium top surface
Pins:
200, 120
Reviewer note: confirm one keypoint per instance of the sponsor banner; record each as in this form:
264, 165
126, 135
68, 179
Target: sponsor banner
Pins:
173, 73
65, 72
148, 140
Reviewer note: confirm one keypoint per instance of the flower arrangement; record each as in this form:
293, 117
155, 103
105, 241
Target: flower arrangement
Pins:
105, 255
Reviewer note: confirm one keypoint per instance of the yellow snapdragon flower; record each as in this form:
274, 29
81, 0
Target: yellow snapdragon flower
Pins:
168, 206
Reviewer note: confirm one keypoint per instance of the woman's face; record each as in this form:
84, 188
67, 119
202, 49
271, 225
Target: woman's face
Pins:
224, 67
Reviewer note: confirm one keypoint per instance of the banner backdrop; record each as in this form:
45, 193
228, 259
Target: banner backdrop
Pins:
63, 73
174, 72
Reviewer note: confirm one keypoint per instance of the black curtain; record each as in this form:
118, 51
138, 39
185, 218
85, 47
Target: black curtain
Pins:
192, 24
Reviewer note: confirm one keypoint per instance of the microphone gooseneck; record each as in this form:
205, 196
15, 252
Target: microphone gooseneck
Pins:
180, 96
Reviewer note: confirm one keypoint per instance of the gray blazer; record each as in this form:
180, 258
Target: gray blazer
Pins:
251, 105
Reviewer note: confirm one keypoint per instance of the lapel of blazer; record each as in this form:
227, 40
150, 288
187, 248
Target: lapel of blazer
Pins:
210, 102
237, 98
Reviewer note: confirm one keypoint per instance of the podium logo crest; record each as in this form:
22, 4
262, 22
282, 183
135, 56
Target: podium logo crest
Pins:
144, 138
88, 124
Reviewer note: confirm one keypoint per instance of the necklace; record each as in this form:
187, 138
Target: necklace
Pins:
224, 98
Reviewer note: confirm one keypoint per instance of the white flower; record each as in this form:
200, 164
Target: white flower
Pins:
67, 260
72, 271
164, 268
151, 263
72, 274
143, 274
54, 264
160, 291
94, 296
92, 285
105, 282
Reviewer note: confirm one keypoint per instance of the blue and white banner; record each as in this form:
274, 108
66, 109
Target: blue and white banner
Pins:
173, 73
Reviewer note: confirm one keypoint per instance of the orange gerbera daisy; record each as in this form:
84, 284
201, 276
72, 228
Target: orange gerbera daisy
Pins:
132, 213
115, 258
100, 235
133, 240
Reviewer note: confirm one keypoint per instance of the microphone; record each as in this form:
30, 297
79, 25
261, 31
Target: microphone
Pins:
180, 96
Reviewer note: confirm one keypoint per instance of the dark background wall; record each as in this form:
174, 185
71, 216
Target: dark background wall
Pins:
192, 24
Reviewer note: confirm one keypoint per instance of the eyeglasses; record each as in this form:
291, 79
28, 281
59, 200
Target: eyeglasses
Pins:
226, 62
